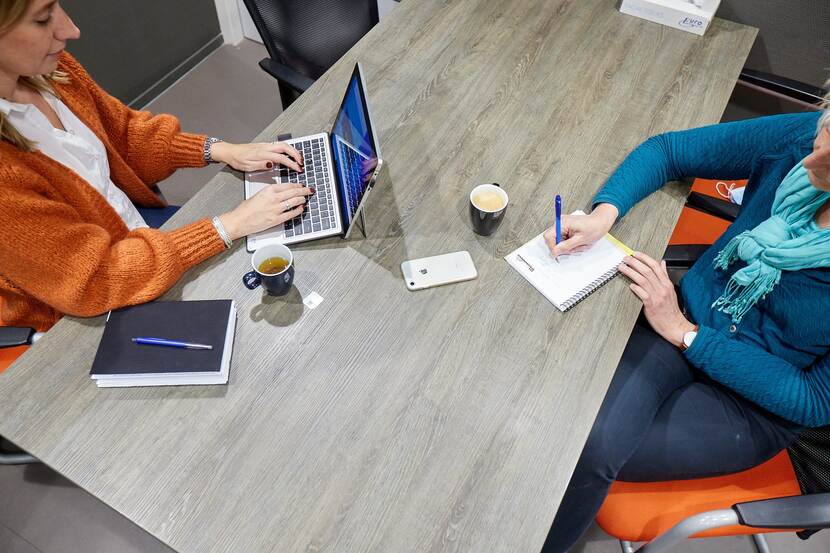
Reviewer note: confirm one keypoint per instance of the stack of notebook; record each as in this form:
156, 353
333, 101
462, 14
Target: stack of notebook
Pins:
121, 361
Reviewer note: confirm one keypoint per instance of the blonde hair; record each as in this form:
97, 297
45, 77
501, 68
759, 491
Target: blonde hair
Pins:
11, 12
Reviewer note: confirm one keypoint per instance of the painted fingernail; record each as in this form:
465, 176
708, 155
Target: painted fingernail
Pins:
313, 190
269, 165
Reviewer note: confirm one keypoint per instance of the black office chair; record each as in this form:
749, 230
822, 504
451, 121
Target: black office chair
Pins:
788, 62
305, 37
12, 337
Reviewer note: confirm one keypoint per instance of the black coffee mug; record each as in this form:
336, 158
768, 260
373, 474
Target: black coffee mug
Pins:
276, 284
488, 203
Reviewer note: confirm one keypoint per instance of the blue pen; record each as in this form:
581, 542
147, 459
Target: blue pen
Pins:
558, 203
148, 341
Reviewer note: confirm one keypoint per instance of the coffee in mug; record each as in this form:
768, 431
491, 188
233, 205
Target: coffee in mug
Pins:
487, 200
488, 203
273, 269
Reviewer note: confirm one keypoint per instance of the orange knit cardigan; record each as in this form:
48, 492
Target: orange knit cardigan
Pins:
63, 248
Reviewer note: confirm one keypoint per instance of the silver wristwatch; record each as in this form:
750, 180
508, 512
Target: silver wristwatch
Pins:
209, 142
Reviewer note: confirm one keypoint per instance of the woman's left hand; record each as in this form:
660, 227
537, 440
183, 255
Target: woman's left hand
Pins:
651, 283
256, 157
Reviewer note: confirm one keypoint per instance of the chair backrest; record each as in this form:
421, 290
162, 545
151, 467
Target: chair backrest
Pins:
310, 35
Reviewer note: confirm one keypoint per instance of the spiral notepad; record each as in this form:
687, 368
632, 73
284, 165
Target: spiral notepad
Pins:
571, 278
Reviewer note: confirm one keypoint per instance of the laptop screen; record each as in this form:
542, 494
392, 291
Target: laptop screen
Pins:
354, 147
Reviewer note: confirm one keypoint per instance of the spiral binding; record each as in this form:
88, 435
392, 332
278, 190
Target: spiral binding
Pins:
589, 289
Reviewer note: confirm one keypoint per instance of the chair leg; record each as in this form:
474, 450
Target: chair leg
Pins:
626, 546
689, 527
760, 543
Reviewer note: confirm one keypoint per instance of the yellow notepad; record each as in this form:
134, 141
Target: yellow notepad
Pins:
568, 280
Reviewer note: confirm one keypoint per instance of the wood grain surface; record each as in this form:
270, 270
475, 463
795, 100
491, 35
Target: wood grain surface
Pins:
384, 420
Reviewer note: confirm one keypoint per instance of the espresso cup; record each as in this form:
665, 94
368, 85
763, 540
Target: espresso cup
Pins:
488, 202
276, 284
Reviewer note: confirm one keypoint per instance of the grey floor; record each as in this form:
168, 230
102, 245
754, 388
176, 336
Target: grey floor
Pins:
236, 100
40, 511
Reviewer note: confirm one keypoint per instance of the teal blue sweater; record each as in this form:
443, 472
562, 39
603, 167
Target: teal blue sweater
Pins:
778, 356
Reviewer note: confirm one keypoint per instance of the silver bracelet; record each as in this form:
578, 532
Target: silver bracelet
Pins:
220, 228
209, 142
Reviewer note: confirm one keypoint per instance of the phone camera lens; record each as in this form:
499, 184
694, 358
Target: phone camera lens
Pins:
412, 284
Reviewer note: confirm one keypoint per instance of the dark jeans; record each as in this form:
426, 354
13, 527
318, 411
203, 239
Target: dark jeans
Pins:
662, 419
157, 216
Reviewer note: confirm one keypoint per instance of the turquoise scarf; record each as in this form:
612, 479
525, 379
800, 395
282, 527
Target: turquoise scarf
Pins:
789, 240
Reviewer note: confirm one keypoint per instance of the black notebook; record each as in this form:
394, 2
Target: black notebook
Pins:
121, 362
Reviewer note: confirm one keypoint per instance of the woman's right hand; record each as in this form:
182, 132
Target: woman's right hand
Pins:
581, 231
268, 208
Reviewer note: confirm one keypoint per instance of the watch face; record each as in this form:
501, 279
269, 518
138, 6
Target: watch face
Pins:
688, 338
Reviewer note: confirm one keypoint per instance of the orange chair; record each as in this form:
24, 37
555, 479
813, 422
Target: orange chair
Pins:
766, 498
13, 342
704, 218
664, 513
697, 223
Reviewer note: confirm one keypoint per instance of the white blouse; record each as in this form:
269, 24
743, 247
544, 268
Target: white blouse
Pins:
76, 148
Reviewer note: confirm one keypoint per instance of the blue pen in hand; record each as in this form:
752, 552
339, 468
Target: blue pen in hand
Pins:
148, 341
558, 203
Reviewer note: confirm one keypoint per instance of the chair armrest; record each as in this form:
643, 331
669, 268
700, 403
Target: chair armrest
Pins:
800, 511
11, 336
292, 78
713, 206
781, 85
683, 256
14, 455
680, 257
17, 459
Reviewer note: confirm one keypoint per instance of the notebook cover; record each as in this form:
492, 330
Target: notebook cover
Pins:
202, 322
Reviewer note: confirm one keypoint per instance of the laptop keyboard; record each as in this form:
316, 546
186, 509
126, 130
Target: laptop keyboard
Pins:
319, 214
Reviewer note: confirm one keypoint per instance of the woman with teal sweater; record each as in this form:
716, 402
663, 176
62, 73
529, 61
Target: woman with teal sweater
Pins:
731, 378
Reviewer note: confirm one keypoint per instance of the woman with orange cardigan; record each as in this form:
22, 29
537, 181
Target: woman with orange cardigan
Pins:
74, 164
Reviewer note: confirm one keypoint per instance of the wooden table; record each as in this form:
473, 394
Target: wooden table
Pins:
384, 420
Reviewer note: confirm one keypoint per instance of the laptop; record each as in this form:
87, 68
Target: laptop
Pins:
341, 165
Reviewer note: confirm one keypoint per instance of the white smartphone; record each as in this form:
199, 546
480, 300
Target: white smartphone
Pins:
438, 269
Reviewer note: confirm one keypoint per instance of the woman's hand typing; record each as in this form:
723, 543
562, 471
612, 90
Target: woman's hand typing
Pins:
256, 157
580, 231
268, 208
651, 283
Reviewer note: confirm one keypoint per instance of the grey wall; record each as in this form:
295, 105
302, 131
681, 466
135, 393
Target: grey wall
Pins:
793, 39
137, 48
